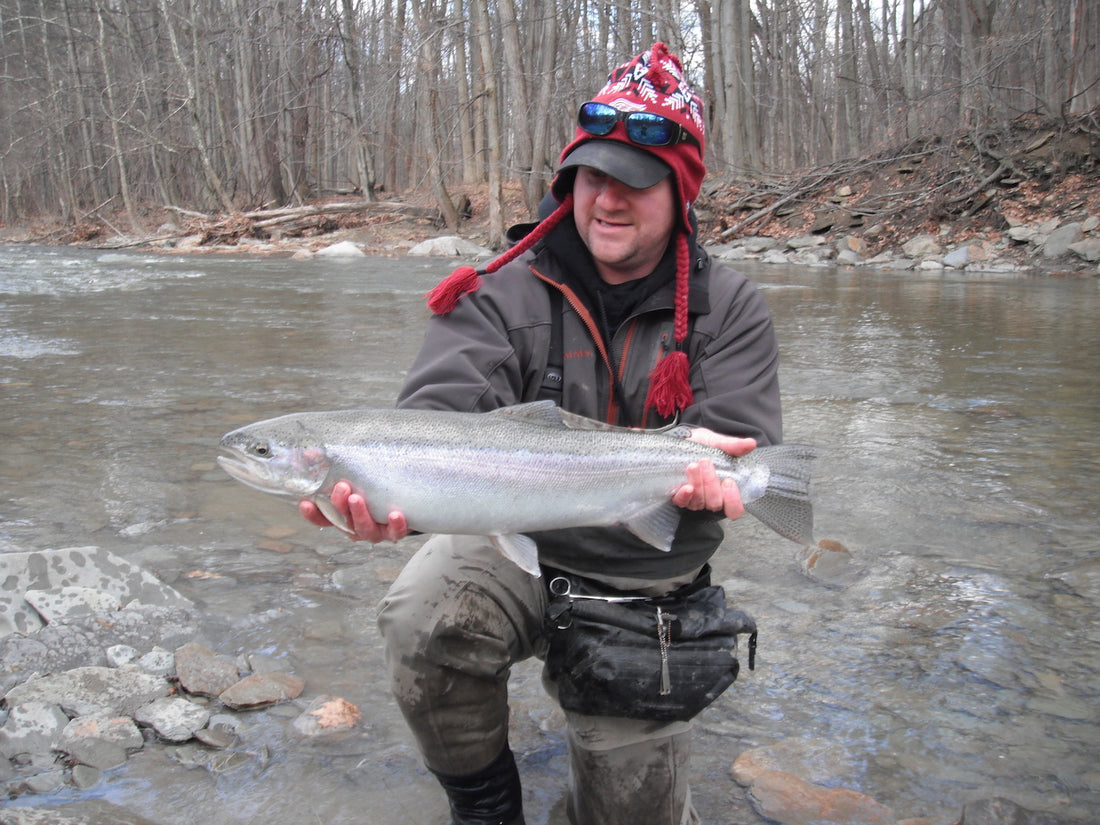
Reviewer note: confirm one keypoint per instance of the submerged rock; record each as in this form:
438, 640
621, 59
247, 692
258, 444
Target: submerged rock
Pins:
793, 801
262, 689
100, 741
328, 716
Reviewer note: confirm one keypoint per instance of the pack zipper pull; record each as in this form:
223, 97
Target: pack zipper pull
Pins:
664, 637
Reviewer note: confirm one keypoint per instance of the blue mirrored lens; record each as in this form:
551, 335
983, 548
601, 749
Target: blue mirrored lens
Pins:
598, 118
649, 130
643, 128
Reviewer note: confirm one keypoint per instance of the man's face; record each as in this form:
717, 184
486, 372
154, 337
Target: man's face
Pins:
626, 230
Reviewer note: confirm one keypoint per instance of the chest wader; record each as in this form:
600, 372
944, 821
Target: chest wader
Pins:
492, 796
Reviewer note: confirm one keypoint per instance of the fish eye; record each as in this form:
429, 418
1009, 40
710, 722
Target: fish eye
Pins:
262, 450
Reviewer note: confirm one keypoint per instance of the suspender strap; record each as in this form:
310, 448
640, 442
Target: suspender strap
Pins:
554, 376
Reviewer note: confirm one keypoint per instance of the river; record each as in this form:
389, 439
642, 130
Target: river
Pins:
958, 423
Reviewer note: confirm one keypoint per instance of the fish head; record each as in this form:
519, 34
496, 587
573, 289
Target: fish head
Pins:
279, 456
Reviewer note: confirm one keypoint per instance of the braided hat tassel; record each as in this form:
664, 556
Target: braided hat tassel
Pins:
444, 296
670, 380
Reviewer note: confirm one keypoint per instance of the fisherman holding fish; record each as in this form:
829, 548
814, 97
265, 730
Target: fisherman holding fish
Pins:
609, 307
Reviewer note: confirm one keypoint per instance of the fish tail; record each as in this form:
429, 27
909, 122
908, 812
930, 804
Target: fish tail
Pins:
785, 503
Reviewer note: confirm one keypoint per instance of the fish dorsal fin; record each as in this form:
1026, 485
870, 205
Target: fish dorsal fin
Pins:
543, 413
579, 422
548, 414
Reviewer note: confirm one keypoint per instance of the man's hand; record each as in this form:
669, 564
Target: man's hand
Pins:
703, 490
357, 518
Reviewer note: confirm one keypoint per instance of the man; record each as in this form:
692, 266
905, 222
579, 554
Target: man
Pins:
610, 308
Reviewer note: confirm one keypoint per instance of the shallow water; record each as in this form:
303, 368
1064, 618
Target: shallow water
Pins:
958, 425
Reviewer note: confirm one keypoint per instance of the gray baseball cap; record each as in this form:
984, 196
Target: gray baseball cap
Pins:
635, 167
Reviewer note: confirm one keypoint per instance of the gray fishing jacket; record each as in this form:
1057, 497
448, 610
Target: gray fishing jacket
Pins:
492, 351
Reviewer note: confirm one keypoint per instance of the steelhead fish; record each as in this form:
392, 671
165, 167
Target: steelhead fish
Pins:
509, 472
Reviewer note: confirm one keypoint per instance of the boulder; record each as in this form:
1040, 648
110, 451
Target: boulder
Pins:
94, 690
343, 249
1087, 249
1061, 239
921, 247
74, 569
450, 246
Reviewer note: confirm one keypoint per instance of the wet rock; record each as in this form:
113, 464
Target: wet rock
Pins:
85, 776
87, 691
32, 727
261, 690
1081, 580
91, 812
45, 782
158, 662
200, 671
73, 567
998, 811
119, 655
19, 659
173, 718
100, 741
52, 605
830, 563
328, 716
816, 760
216, 737
792, 801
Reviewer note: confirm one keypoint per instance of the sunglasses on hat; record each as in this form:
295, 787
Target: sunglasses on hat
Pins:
642, 128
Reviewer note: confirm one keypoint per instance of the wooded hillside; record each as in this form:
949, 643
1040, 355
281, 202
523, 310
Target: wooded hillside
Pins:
112, 111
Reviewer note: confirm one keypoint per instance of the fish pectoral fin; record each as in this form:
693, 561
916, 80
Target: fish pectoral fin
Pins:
519, 549
655, 525
325, 505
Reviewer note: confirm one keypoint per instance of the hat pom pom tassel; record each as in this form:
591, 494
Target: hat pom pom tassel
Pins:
444, 296
669, 385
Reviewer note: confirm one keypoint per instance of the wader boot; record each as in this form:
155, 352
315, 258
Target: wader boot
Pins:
492, 796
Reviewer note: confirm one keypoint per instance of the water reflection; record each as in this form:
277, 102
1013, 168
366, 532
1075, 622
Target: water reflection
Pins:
959, 436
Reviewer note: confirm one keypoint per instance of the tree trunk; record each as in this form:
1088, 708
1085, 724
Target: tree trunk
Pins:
494, 142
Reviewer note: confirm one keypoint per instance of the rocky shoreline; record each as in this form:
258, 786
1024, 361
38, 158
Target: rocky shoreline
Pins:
100, 661
1050, 247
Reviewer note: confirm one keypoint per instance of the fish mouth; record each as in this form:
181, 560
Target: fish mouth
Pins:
246, 472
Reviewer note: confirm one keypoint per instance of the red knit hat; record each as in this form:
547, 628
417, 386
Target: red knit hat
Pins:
652, 82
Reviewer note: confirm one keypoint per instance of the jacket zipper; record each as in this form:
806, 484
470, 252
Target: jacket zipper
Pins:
594, 332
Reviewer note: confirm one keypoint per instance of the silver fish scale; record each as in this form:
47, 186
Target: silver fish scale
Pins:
511, 471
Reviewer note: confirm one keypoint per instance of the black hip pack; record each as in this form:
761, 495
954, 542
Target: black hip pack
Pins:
659, 658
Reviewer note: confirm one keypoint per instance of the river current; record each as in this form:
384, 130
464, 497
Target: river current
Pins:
958, 424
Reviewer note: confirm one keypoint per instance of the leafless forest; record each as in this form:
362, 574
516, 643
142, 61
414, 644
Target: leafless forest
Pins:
119, 109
